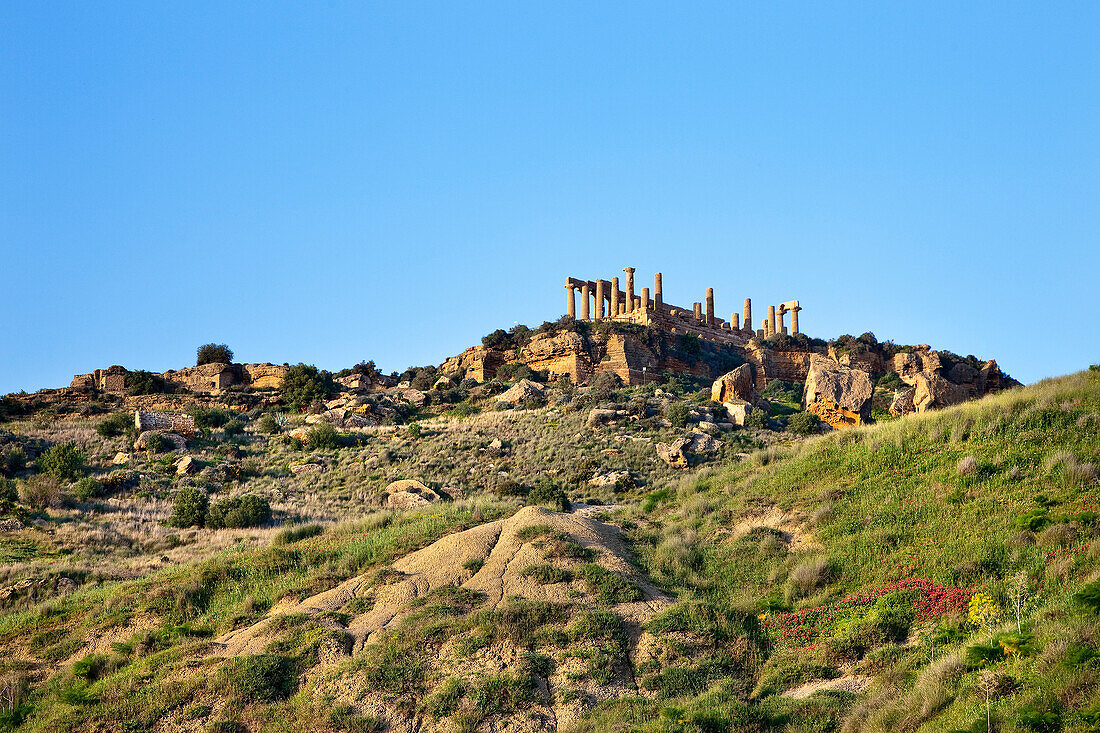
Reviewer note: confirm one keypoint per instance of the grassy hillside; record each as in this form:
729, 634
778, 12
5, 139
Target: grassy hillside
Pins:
861, 580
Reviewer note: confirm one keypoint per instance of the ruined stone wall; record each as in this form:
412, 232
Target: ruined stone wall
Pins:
172, 422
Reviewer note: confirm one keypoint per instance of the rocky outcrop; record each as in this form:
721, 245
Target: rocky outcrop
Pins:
932, 390
839, 395
172, 422
409, 494
174, 439
675, 453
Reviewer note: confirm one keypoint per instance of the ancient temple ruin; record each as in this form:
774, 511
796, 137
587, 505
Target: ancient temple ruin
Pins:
604, 300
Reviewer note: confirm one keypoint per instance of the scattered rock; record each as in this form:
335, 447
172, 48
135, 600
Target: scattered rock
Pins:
903, 401
11, 524
414, 397
305, 468
738, 411
674, 453
611, 478
443, 383
703, 443
933, 391
121, 459
186, 465
599, 417
708, 427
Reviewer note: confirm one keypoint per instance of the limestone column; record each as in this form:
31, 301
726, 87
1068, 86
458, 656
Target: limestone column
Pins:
614, 310
637, 302
735, 321
710, 306
599, 299
771, 320
585, 294
644, 300
697, 308
780, 326
570, 301
658, 296
629, 288
794, 319
748, 314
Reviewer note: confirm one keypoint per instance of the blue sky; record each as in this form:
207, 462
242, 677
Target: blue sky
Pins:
329, 182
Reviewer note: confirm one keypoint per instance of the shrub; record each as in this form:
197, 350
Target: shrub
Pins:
116, 424
304, 384
757, 420
546, 574
41, 492
143, 382
463, 409
208, 418
213, 354
86, 488
12, 459
324, 435
803, 423
414, 430
268, 425
515, 372
263, 677
677, 413
63, 462
234, 427
189, 509
548, 494
238, 512
810, 575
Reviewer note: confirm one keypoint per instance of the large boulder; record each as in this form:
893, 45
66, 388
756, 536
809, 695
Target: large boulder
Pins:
738, 411
737, 386
839, 395
174, 439
523, 391
903, 402
933, 391
598, 417
675, 453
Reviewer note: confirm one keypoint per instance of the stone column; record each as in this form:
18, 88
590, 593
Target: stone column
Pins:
697, 308
794, 319
570, 301
637, 303
585, 294
710, 306
735, 321
748, 314
644, 300
629, 288
614, 296
658, 296
780, 326
599, 299
771, 320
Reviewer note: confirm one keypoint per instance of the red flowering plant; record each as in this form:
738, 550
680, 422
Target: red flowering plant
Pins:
801, 628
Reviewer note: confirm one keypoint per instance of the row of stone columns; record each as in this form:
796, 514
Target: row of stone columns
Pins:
618, 302
775, 325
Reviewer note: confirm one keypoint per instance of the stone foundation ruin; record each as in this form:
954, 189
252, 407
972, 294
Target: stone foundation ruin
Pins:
603, 300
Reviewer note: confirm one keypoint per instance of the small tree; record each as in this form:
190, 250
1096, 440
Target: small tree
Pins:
305, 384
1017, 597
213, 354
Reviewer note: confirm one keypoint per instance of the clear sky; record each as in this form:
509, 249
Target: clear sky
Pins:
330, 182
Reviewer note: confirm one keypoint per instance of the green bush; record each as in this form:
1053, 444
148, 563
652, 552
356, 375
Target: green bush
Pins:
757, 420
268, 424
678, 413
63, 462
548, 494
12, 459
143, 382
234, 427
323, 435
261, 677
414, 430
463, 409
609, 587
213, 354
116, 424
238, 512
86, 488
208, 418
304, 384
189, 509
803, 423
